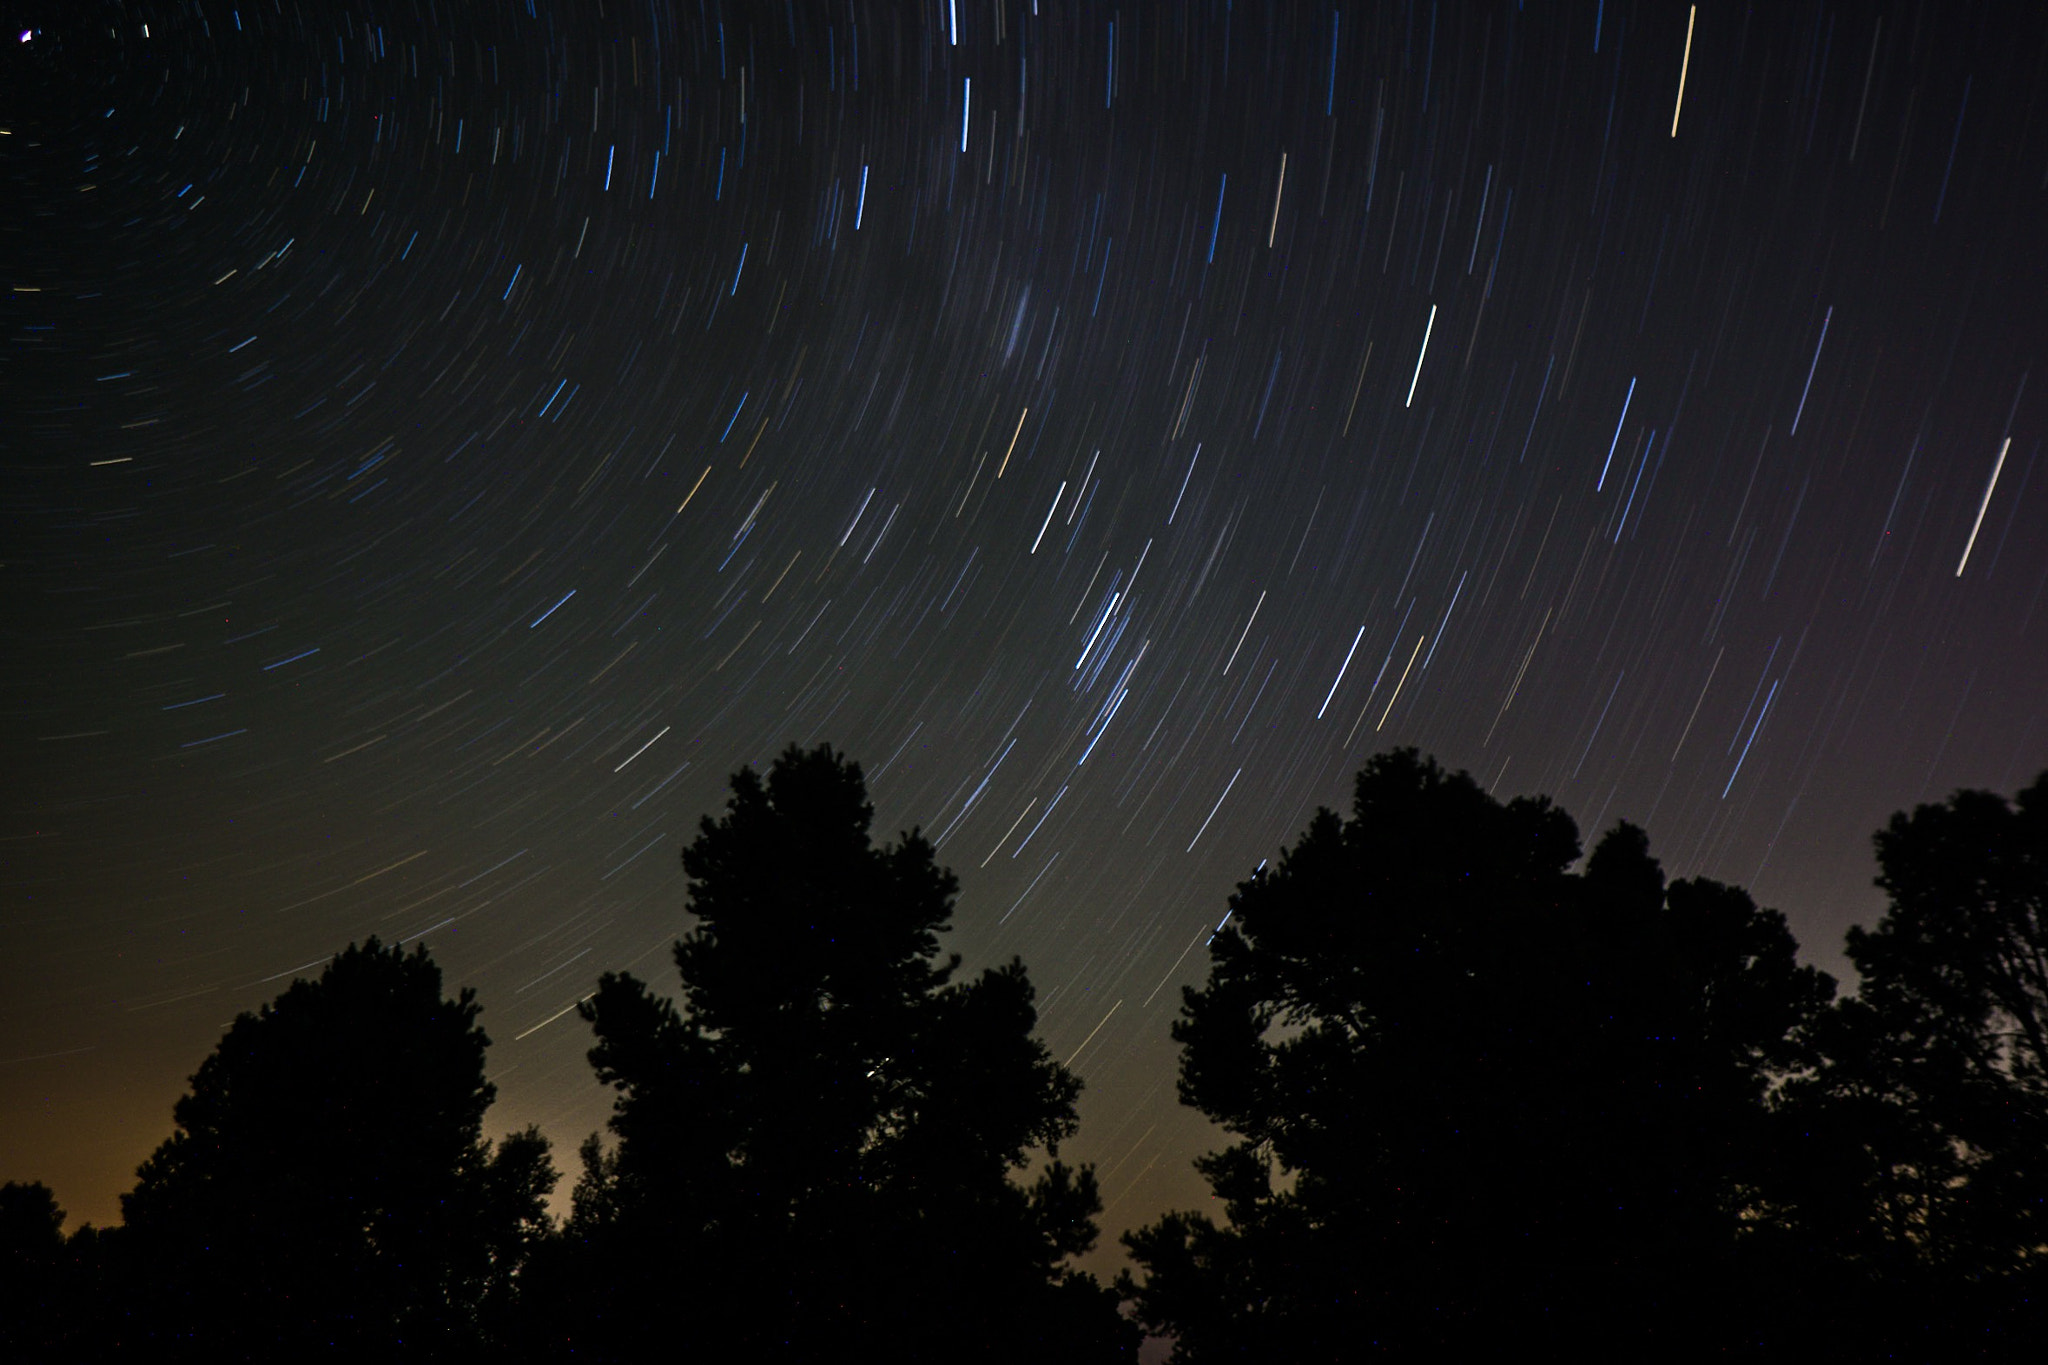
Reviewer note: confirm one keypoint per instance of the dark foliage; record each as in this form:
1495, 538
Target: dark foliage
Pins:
32, 1282
328, 1191
54, 1294
1480, 1103
1922, 1189
815, 1151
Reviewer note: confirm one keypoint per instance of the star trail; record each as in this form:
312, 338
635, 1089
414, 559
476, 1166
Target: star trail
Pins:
443, 440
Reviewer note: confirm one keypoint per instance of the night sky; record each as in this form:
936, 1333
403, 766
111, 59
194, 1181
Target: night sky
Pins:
444, 440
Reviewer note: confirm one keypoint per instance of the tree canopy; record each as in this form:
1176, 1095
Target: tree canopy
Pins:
1482, 1096
818, 1145
32, 1257
1919, 1208
328, 1186
1478, 1101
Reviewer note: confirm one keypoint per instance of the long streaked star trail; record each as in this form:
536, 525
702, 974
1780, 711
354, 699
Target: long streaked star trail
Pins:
443, 441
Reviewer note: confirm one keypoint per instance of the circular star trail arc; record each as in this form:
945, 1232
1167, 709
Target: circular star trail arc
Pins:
444, 441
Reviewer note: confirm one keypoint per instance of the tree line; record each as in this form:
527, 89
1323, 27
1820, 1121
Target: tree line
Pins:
1481, 1094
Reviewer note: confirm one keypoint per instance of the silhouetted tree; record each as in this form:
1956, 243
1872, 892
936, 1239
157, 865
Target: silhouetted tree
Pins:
32, 1281
1479, 1103
815, 1153
328, 1191
1921, 1199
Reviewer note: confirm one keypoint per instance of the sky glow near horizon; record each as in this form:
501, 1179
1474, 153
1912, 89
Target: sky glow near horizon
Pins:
444, 442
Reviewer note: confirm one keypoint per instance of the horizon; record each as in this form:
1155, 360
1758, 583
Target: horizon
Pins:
447, 446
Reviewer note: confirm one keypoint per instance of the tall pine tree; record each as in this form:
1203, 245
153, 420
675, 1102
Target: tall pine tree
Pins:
817, 1148
1480, 1105
1919, 1202
328, 1188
